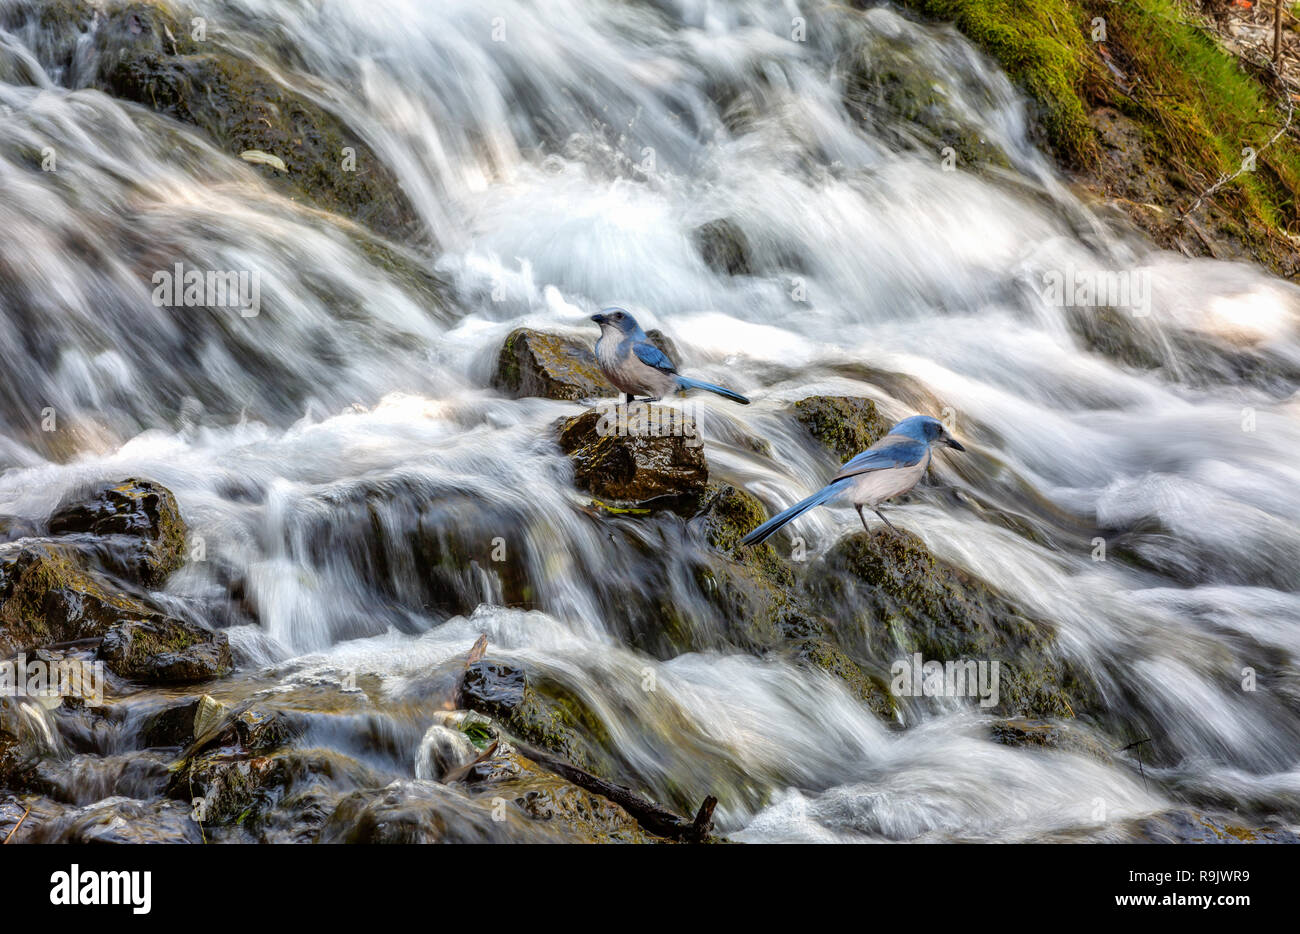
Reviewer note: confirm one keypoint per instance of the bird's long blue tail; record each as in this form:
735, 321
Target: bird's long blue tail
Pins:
686, 382
770, 527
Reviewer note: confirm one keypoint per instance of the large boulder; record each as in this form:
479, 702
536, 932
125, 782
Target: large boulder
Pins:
133, 527
149, 55
635, 453
892, 599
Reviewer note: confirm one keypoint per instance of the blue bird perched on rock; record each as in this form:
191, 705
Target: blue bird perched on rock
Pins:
888, 468
639, 368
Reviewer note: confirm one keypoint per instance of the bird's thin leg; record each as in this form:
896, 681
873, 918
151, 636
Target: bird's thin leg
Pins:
886, 521
863, 518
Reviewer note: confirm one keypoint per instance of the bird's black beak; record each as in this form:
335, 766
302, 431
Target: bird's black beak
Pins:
599, 319
953, 444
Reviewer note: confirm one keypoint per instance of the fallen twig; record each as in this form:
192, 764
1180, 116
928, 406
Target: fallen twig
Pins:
14, 830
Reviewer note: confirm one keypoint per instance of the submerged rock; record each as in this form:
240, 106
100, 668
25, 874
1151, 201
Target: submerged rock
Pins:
635, 453
113, 820
724, 248
901, 600
1188, 826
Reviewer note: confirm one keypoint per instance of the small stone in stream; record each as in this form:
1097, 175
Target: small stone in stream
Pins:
163, 650
181, 724
843, 424
493, 688
136, 525
724, 248
534, 363
635, 453
1047, 734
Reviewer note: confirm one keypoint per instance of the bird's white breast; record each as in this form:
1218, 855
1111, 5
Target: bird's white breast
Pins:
876, 486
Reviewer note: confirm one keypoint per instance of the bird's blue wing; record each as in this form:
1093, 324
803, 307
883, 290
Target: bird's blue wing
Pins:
888, 452
651, 355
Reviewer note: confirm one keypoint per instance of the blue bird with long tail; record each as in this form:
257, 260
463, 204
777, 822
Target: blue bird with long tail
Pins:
889, 468
639, 368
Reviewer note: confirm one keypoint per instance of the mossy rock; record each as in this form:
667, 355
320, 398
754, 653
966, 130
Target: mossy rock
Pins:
872, 691
136, 525
48, 596
161, 650
549, 366
534, 363
148, 56
550, 715
635, 453
844, 425
902, 600
724, 248
540, 795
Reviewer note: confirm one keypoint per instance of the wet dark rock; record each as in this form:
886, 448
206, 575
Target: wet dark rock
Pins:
136, 525
844, 425
493, 688
901, 600
543, 712
148, 56
424, 812
1026, 732
635, 453
183, 722
47, 596
724, 248
164, 650
535, 363
114, 820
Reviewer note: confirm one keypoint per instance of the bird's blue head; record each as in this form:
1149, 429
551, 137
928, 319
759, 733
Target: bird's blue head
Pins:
926, 429
616, 319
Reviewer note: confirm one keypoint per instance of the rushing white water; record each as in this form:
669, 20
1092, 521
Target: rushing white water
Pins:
560, 157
